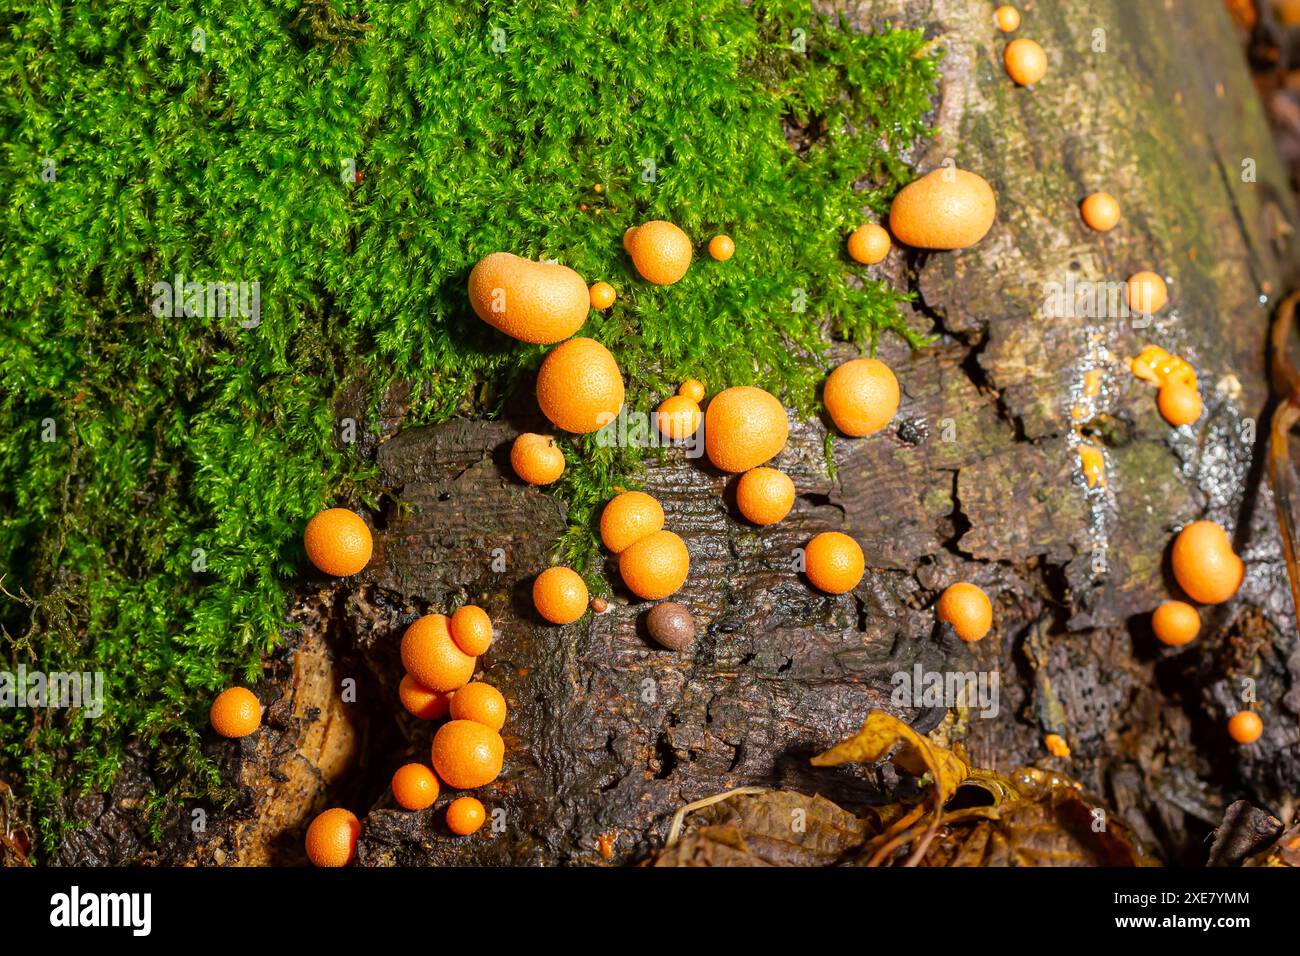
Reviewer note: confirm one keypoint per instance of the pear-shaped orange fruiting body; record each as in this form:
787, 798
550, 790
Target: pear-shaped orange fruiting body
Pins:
531, 301
967, 608
949, 208
1204, 563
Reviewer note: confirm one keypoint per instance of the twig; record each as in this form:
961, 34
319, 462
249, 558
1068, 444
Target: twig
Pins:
675, 830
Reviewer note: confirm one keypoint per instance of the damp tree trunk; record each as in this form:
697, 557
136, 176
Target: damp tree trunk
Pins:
979, 479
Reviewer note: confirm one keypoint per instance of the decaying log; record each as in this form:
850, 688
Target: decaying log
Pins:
980, 480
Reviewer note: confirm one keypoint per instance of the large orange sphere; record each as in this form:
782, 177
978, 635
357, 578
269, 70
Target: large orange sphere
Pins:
834, 562
655, 566
467, 754
744, 427
861, 396
431, 656
580, 386
338, 542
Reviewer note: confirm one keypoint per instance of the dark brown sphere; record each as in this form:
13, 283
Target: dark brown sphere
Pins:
671, 625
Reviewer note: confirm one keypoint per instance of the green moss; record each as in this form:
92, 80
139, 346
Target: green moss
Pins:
156, 535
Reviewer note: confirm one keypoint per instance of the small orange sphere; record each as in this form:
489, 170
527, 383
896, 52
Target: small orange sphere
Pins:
415, 787
1007, 18
467, 754
1204, 563
1245, 727
602, 295
655, 566
722, 248
678, 417
1025, 61
1179, 404
693, 389
338, 542
465, 816
764, 495
431, 656
471, 629
869, 244
421, 702
536, 459
332, 838
968, 609
1146, 293
236, 712
1100, 211
834, 562
560, 595
861, 396
629, 517
481, 703
1176, 623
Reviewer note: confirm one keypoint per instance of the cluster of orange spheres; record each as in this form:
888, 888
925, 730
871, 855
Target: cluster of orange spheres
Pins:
439, 655
1209, 572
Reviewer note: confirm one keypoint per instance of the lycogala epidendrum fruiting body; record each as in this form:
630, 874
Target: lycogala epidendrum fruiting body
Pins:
431, 656
861, 396
536, 459
660, 251
338, 542
1204, 563
467, 754
1100, 211
744, 427
580, 386
967, 608
948, 208
471, 629
1025, 60
332, 838
236, 712
869, 244
415, 787
655, 566
536, 302
764, 495
834, 562
629, 517
560, 595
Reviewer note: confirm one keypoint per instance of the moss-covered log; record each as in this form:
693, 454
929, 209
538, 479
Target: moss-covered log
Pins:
979, 480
